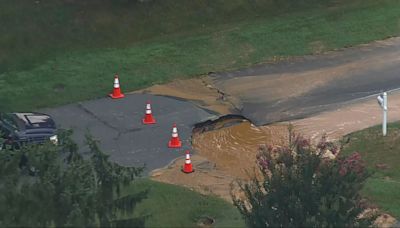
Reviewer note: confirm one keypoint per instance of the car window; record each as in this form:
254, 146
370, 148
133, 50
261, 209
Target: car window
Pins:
9, 120
39, 121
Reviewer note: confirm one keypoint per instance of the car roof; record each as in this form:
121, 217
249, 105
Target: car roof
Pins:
29, 120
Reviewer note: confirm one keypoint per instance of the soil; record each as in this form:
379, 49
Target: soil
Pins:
234, 148
298, 88
284, 85
206, 179
222, 156
197, 90
347, 119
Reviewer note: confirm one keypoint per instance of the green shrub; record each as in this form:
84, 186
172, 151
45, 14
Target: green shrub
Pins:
54, 186
301, 187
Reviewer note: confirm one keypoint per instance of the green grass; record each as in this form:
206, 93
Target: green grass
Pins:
383, 186
174, 206
54, 53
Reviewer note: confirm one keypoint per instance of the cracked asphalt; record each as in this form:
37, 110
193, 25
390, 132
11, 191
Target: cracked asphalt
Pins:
117, 124
304, 86
264, 94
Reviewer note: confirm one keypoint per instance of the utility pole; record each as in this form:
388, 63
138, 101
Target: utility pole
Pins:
382, 101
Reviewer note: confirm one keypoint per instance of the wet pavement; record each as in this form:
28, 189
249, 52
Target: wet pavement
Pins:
308, 85
117, 124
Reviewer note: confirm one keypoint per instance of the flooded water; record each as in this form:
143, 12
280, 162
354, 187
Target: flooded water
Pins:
233, 144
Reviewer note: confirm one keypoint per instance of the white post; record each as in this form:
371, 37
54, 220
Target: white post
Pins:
385, 109
382, 101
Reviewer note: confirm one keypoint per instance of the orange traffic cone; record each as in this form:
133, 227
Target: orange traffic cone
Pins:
117, 90
188, 167
175, 142
148, 118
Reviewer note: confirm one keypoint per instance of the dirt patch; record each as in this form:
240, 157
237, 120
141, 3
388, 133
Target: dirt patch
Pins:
205, 221
385, 221
209, 180
223, 155
317, 47
350, 118
281, 86
234, 148
198, 90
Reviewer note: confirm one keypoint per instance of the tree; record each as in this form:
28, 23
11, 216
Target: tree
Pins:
299, 186
56, 186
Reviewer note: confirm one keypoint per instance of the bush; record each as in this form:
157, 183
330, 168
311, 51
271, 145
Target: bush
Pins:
300, 186
57, 187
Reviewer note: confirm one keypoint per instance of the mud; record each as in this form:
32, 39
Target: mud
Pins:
299, 88
292, 84
234, 148
207, 178
347, 119
197, 90
224, 152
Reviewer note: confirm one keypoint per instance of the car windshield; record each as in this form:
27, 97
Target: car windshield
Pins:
32, 121
9, 120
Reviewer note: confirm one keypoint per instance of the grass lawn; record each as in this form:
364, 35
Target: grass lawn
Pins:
382, 155
59, 52
174, 206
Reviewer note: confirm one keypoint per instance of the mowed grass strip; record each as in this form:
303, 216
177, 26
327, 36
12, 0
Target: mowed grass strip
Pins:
33, 31
382, 155
174, 206
87, 72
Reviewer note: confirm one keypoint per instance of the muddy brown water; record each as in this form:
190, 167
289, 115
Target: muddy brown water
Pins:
233, 144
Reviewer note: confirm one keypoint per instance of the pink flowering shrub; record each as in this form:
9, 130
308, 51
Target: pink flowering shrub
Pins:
302, 188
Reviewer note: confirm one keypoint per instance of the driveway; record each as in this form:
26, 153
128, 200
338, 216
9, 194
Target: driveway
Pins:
300, 87
117, 124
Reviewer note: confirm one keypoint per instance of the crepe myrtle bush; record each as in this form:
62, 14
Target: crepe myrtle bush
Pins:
299, 186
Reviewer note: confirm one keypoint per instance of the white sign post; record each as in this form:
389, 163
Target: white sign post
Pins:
382, 101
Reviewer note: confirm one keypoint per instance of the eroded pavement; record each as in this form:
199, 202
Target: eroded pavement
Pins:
323, 94
303, 86
117, 124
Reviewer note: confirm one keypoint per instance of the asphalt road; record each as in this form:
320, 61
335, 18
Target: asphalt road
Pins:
304, 86
264, 94
117, 124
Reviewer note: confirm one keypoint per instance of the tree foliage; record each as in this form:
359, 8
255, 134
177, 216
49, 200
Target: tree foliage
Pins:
300, 187
56, 186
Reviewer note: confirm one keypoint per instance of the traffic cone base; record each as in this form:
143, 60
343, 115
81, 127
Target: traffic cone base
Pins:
174, 144
151, 121
113, 96
187, 169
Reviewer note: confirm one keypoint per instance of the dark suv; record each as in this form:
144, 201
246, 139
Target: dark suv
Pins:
17, 129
